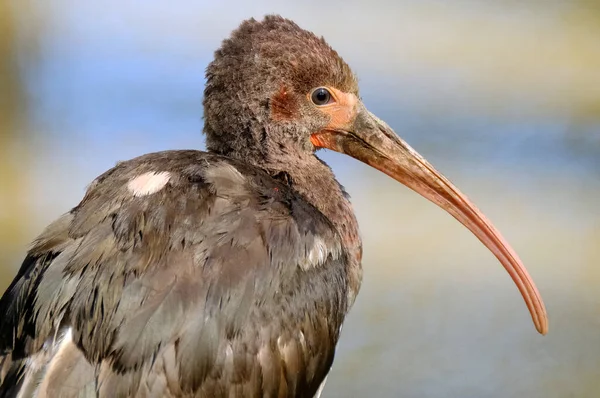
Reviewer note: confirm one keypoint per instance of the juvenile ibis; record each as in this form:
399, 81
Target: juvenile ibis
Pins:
225, 273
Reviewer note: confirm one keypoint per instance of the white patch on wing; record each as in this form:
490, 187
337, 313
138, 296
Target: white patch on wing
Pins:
318, 251
148, 183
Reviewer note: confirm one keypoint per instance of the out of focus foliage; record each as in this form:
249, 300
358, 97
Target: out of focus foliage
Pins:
13, 152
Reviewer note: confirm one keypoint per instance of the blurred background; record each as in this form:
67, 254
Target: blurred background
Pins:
502, 97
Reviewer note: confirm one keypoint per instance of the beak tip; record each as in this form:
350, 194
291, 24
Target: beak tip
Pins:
541, 322
543, 328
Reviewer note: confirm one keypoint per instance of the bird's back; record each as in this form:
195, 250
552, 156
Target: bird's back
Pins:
180, 273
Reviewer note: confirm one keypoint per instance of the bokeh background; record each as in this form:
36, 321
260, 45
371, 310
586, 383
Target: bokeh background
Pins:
501, 96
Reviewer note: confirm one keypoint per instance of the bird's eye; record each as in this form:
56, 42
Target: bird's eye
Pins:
321, 96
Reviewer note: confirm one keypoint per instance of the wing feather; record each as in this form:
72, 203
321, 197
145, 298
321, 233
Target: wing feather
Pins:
198, 289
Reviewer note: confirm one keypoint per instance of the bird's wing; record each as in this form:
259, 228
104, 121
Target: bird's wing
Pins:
176, 273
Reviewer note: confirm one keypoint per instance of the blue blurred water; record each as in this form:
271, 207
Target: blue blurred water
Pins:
98, 77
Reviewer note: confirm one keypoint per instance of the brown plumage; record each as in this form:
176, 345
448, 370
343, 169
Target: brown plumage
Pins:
225, 273
267, 68
145, 294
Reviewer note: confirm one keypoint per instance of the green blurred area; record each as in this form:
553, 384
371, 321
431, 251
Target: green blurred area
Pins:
413, 286
13, 151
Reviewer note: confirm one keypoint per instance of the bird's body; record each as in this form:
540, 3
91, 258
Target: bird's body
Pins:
225, 273
265, 269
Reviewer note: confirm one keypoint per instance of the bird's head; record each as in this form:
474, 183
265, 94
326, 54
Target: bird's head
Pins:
271, 86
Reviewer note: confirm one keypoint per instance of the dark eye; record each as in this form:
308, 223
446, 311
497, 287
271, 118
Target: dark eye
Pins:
321, 96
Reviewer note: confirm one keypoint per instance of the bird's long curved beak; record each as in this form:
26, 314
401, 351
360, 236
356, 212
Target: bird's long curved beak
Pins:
370, 140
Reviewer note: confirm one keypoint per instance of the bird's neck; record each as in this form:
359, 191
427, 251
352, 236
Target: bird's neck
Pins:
310, 177
313, 180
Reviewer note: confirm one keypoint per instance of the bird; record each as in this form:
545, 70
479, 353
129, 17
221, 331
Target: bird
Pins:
226, 272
